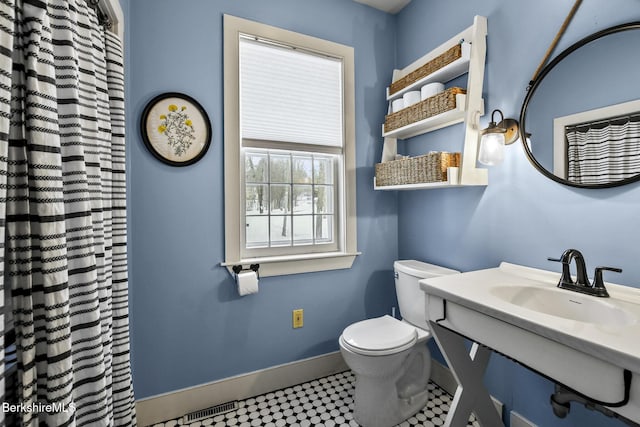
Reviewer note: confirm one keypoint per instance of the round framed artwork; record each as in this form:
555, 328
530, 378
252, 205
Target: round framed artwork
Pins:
176, 129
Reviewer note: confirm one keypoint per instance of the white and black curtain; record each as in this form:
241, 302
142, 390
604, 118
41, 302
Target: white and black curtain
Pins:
603, 152
62, 212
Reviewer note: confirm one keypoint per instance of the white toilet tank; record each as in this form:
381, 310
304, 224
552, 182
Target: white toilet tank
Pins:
411, 298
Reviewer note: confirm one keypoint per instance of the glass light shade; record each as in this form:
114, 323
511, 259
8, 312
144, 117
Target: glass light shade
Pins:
491, 148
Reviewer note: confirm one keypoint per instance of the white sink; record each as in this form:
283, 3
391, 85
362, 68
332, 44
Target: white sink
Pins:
566, 304
584, 342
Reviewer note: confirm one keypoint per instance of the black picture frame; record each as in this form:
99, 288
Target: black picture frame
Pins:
175, 129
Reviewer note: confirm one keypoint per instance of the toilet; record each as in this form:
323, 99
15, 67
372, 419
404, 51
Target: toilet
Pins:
389, 357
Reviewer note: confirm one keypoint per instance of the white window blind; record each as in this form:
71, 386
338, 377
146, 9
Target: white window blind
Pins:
289, 95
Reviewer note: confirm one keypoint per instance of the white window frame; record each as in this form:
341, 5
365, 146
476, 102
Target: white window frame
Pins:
273, 265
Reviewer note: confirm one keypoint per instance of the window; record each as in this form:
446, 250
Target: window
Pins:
289, 201
289, 150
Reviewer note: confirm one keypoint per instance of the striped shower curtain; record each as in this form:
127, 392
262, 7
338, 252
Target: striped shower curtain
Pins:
62, 214
603, 152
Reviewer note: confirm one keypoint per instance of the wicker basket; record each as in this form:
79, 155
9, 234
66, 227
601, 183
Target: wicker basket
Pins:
434, 65
432, 106
431, 167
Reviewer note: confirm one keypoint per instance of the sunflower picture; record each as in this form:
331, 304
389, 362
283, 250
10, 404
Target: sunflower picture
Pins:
176, 129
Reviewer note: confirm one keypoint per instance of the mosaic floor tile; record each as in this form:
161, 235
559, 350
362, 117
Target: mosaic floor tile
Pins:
326, 402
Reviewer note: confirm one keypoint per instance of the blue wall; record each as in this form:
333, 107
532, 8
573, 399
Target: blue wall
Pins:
521, 217
188, 325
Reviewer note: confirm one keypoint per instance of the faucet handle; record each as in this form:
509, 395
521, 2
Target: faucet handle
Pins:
598, 282
565, 279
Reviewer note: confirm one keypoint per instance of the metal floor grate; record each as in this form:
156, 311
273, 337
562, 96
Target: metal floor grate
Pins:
209, 412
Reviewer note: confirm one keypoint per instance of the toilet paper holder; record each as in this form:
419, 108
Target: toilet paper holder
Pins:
238, 268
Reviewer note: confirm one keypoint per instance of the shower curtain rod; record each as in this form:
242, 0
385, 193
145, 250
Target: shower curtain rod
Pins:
103, 18
110, 15
618, 120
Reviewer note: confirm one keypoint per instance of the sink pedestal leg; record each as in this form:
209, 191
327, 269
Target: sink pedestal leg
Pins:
468, 370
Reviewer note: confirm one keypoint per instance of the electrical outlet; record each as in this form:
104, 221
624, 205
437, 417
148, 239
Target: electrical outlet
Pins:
298, 318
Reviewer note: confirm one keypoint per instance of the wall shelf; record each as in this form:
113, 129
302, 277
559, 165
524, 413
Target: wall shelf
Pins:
430, 124
421, 186
424, 185
447, 73
468, 109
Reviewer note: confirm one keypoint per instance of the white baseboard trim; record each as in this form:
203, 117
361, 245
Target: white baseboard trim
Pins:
518, 420
442, 376
175, 404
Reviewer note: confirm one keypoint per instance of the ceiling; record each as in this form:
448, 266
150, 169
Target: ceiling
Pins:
389, 6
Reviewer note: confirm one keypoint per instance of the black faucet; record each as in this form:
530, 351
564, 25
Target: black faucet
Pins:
581, 284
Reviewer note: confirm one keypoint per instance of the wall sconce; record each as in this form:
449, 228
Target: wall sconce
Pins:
494, 139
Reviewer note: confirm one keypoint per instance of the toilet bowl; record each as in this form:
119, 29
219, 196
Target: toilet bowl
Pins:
389, 357
392, 366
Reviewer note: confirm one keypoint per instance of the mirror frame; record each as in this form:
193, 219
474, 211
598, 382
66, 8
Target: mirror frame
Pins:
531, 89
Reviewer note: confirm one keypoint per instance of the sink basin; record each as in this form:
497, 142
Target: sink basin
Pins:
584, 342
566, 304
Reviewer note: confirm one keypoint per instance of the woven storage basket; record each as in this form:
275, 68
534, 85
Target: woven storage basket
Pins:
431, 106
430, 167
434, 65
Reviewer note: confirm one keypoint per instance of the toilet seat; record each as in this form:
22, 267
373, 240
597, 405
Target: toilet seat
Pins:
379, 336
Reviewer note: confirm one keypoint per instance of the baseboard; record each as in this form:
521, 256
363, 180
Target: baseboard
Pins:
442, 376
517, 420
172, 405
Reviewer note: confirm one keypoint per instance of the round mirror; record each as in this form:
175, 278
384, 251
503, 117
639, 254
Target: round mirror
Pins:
580, 120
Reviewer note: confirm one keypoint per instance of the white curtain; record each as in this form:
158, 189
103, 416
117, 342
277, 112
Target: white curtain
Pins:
62, 200
6, 44
603, 152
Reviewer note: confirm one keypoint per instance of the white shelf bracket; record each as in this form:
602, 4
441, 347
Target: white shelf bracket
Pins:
389, 149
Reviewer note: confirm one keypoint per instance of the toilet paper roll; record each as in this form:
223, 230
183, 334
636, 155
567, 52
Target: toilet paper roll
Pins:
431, 89
411, 98
397, 105
247, 282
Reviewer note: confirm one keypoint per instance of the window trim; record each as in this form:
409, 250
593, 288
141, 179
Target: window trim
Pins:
289, 264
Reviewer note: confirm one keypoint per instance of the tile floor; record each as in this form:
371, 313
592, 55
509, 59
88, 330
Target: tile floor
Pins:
323, 402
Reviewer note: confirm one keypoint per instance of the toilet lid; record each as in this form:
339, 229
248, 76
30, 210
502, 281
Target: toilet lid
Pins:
379, 334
